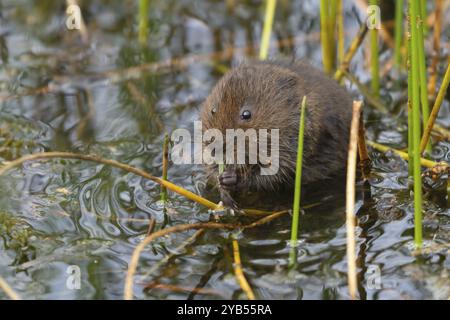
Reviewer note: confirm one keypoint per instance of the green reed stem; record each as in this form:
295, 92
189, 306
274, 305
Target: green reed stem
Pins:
340, 31
165, 164
415, 66
143, 21
435, 111
298, 185
375, 64
424, 15
410, 132
332, 18
423, 74
267, 30
332, 15
327, 24
409, 104
398, 33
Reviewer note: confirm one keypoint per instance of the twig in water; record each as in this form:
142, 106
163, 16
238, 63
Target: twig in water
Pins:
151, 225
128, 290
169, 185
173, 288
166, 259
351, 52
265, 219
350, 200
373, 100
240, 277
435, 111
424, 162
8, 290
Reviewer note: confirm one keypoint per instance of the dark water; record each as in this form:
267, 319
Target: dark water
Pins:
58, 94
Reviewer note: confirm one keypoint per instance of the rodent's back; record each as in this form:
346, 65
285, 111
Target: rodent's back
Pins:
328, 122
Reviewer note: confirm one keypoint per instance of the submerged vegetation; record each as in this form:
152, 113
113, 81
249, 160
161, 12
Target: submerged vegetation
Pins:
75, 195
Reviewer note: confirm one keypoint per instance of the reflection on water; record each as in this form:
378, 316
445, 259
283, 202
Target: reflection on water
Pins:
115, 98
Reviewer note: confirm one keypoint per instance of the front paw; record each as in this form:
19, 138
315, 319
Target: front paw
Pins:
228, 180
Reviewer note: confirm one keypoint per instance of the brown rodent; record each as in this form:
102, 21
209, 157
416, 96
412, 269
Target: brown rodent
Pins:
266, 95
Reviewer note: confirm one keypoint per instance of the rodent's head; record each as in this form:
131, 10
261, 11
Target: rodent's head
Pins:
258, 96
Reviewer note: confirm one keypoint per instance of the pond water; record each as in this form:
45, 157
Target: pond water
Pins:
116, 99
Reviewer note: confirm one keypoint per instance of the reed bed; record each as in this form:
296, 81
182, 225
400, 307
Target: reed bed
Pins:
420, 121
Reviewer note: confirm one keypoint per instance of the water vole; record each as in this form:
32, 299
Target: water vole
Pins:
266, 95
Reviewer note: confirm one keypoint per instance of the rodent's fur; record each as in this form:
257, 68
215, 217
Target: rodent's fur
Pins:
272, 91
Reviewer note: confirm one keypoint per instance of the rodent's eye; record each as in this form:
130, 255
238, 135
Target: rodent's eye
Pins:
246, 114
213, 110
